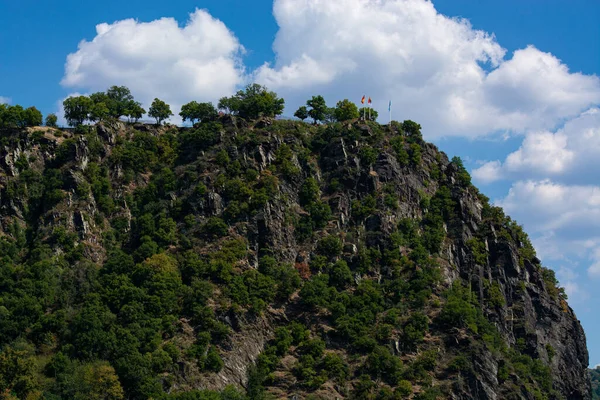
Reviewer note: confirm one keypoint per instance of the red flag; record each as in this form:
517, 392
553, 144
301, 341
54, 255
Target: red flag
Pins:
362, 101
369, 100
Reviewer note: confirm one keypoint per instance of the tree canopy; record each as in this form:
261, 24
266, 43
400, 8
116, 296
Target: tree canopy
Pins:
318, 108
301, 113
159, 110
194, 111
120, 98
77, 109
253, 102
51, 120
17, 117
345, 110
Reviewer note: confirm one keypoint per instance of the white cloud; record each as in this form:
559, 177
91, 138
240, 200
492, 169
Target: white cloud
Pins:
565, 219
574, 150
551, 206
439, 71
5, 100
594, 269
488, 172
199, 61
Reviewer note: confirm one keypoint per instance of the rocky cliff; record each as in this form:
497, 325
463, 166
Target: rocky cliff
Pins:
273, 258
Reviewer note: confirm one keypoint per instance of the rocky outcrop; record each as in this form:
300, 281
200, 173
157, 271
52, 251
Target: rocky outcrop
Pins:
526, 311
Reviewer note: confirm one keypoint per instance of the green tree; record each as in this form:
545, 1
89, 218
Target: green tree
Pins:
412, 129
51, 120
345, 110
462, 175
318, 108
189, 111
99, 112
11, 116
330, 115
100, 97
77, 109
195, 111
119, 100
134, 111
3, 111
31, 117
17, 372
253, 102
301, 113
159, 110
231, 105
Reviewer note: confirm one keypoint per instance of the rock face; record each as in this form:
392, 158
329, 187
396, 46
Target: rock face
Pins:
309, 197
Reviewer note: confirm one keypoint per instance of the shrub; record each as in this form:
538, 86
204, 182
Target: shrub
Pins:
334, 367
462, 175
460, 364
330, 246
340, 275
309, 191
478, 250
415, 154
320, 214
215, 227
458, 310
368, 156
381, 364
404, 388
316, 291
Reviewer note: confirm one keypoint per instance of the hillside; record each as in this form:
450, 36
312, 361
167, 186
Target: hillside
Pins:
595, 378
242, 259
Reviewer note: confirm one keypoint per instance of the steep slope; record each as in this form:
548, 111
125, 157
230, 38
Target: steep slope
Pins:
595, 378
273, 259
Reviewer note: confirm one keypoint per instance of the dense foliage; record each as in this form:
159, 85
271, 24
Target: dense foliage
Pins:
179, 258
253, 102
18, 117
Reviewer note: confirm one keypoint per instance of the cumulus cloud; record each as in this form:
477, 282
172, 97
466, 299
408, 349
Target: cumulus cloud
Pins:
550, 206
199, 61
5, 100
565, 219
438, 70
572, 151
488, 172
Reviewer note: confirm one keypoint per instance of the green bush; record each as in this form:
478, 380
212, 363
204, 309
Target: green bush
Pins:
415, 154
478, 250
340, 275
215, 228
368, 156
381, 364
309, 191
401, 153
330, 246
316, 291
361, 209
460, 364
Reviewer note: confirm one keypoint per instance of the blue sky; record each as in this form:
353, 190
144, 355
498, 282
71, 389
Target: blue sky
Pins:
525, 119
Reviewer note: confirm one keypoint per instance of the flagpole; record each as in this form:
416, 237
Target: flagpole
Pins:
362, 101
